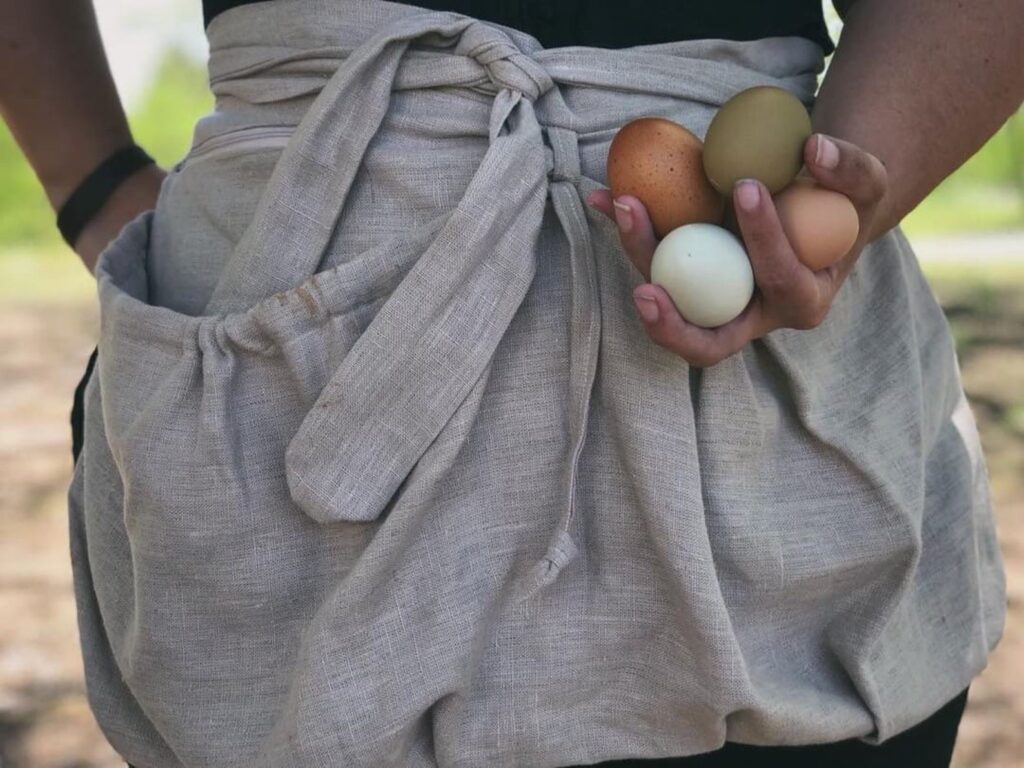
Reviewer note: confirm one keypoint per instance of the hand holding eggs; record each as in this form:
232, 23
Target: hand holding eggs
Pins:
683, 184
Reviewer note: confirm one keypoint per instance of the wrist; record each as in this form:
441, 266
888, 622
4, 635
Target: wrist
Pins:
92, 194
135, 195
886, 217
62, 172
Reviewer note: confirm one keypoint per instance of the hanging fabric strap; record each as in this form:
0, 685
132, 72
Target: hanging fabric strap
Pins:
435, 335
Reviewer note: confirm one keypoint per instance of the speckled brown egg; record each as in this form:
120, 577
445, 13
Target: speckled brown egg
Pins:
660, 162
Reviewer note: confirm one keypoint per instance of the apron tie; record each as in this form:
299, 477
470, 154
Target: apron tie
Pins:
514, 75
562, 160
432, 340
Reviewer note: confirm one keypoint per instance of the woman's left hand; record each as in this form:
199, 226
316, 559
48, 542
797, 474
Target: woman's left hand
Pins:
788, 294
135, 195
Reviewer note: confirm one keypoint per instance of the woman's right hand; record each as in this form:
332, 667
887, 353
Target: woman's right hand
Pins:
788, 295
135, 195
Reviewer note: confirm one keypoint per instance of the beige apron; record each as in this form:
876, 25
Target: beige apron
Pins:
381, 469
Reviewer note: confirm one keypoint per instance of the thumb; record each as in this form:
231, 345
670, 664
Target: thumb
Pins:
846, 168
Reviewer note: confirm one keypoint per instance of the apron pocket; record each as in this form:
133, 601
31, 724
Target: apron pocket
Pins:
203, 409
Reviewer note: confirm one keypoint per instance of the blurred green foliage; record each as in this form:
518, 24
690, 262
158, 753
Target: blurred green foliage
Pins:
178, 97
986, 193
24, 210
162, 123
1002, 159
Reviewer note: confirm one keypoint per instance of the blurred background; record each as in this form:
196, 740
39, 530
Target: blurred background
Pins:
969, 236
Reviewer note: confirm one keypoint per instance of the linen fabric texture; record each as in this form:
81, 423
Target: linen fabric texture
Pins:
381, 469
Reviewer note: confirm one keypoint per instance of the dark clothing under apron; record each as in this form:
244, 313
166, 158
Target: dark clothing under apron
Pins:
620, 25
926, 745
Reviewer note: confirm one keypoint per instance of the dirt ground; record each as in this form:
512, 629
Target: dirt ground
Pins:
44, 720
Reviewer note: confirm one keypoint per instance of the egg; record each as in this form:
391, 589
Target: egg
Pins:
660, 162
821, 225
758, 134
706, 272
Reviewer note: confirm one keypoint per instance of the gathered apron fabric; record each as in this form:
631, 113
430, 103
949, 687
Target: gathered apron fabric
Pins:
381, 469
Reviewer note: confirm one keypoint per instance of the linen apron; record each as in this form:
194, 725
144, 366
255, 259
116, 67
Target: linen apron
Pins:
381, 469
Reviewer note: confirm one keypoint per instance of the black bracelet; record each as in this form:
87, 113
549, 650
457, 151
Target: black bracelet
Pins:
94, 190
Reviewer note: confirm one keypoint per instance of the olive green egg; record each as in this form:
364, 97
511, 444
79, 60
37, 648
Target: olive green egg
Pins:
758, 134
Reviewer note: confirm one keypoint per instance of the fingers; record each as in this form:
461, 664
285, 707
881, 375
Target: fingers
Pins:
700, 347
793, 295
846, 168
635, 229
789, 294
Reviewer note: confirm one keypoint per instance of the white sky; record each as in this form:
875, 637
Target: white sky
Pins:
137, 32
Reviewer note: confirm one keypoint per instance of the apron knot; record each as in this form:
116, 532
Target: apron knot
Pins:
506, 66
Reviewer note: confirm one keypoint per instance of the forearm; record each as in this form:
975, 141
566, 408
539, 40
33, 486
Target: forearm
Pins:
922, 84
56, 92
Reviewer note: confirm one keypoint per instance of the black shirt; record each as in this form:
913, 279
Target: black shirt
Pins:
623, 23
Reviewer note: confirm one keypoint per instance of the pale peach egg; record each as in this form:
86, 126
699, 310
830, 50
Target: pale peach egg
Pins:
821, 224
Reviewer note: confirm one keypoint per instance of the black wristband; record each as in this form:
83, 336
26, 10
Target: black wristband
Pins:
94, 190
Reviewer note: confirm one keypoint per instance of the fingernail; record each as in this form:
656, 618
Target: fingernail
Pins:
748, 196
827, 154
646, 306
623, 216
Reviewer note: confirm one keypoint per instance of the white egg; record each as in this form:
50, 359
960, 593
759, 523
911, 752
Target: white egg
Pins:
706, 271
